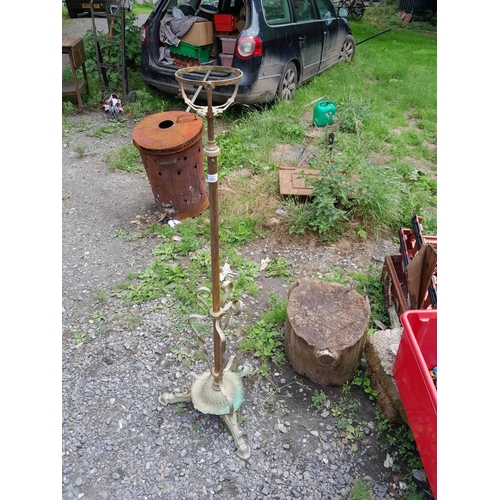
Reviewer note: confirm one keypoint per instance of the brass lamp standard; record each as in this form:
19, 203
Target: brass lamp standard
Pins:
218, 391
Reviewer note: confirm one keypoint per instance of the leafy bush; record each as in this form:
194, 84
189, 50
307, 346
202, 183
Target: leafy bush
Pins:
111, 54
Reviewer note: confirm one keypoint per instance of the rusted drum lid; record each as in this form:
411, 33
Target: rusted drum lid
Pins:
168, 132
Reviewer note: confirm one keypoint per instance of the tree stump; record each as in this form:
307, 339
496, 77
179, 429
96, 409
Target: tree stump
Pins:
325, 330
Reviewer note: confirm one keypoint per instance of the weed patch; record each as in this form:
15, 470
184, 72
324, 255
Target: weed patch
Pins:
113, 127
361, 490
127, 158
397, 441
319, 398
362, 380
150, 284
278, 266
80, 338
265, 338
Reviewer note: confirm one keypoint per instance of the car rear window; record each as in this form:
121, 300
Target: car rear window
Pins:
276, 12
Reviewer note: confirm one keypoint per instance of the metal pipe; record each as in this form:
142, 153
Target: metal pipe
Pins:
370, 37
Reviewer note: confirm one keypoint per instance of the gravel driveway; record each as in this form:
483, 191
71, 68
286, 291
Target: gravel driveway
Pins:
118, 441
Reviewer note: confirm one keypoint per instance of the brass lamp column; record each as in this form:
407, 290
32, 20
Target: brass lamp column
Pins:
218, 391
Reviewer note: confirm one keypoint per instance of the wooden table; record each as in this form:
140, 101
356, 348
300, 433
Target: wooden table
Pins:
76, 52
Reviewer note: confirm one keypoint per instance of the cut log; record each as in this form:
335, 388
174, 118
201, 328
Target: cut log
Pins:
325, 330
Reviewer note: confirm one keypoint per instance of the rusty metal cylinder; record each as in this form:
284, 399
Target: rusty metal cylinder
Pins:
170, 144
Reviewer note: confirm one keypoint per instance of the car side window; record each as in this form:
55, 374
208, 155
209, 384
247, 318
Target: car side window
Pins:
303, 10
276, 12
326, 10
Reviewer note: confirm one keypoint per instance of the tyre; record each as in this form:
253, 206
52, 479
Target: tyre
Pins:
288, 82
357, 10
72, 13
348, 49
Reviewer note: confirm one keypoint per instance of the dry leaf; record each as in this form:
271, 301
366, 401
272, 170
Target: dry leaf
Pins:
226, 270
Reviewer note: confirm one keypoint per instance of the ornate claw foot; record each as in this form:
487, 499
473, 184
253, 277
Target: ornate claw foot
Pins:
243, 450
174, 397
244, 370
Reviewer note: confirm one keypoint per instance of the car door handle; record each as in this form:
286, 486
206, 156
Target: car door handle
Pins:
302, 39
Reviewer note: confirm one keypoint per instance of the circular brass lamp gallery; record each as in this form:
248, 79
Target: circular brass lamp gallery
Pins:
218, 391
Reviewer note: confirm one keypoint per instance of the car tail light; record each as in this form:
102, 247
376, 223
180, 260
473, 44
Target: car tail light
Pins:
249, 46
143, 33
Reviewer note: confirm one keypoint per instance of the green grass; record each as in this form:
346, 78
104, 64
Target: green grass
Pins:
361, 490
386, 110
264, 339
126, 158
386, 101
144, 8
278, 266
182, 263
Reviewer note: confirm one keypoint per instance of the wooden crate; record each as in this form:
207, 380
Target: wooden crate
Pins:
293, 180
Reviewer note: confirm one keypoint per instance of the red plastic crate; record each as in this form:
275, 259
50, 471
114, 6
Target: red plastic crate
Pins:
416, 357
225, 23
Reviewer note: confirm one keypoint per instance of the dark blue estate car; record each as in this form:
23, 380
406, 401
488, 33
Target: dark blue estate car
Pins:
277, 44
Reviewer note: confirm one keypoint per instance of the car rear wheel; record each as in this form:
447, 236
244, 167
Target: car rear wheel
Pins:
288, 82
348, 49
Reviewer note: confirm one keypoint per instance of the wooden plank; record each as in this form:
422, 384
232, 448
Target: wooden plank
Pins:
69, 43
68, 87
293, 181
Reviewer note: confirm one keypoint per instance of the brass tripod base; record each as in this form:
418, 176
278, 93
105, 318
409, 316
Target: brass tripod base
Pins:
242, 449
174, 397
222, 398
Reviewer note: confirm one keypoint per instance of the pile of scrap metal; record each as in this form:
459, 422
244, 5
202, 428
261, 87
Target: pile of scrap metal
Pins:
410, 278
